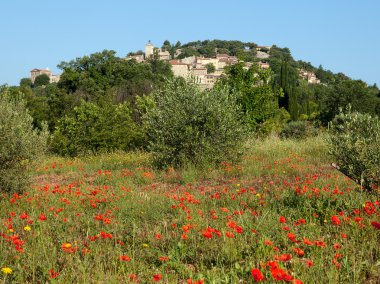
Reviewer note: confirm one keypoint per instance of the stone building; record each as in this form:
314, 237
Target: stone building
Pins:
149, 49
37, 72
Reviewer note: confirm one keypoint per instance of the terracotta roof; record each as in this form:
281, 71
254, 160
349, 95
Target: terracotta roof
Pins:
175, 62
36, 70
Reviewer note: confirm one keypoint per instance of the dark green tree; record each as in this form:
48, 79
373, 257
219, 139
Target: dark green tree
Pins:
188, 125
210, 68
19, 142
26, 83
178, 44
92, 128
284, 84
254, 92
166, 45
41, 80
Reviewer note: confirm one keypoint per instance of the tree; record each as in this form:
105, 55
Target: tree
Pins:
354, 142
284, 84
92, 128
210, 68
102, 75
19, 142
293, 106
254, 92
192, 126
348, 92
26, 83
41, 80
166, 45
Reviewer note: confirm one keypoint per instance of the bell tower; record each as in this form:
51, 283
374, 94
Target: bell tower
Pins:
149, 50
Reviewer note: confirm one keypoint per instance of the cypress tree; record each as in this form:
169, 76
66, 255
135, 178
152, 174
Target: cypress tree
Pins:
284, 84
293, 104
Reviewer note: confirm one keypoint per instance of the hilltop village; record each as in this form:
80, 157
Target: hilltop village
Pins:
202, 70
206, 71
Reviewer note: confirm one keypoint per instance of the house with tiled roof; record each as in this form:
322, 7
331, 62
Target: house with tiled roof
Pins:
37, 72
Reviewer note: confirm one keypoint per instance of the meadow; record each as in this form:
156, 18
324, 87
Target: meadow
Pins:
283, 214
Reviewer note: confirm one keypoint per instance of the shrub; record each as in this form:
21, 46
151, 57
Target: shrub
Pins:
19, 142
91, 128
188, 125
355, 144
298, 130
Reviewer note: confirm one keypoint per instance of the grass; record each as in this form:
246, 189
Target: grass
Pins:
113, 219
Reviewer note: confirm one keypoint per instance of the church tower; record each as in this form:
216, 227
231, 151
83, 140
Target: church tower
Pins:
148, 50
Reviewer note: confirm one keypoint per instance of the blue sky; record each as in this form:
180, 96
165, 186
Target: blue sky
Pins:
341, 35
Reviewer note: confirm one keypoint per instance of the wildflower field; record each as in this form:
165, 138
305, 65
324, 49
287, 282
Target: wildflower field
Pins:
281, 215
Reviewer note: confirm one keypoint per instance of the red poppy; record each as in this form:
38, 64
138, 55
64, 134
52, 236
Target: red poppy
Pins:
309, 263
335, 220
125, 258
284, 257
278, 274
299, 251
132, 277
257, 275
42, 217
282, 219
53, 274
24, 216
307, 242
157, 277
376, 225
337, 246
229, 234
369, 208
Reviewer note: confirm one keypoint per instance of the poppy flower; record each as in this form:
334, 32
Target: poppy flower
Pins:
335, 220
125, 258
309, 263
284, 257
53, 274
24, 216
282, 219
376, 225
257, 275
278, 274
42, 217
157, 277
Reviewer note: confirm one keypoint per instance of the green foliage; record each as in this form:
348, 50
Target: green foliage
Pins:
92, 128
349, 92
102, 74
208, 48
210, 68
19, 142
274, 124
254, 92
355, 144
298, 130
188, 125
41, 80
26, 83
49, 104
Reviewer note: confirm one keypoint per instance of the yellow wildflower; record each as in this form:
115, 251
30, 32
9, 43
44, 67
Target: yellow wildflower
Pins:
6, 270
27, 228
